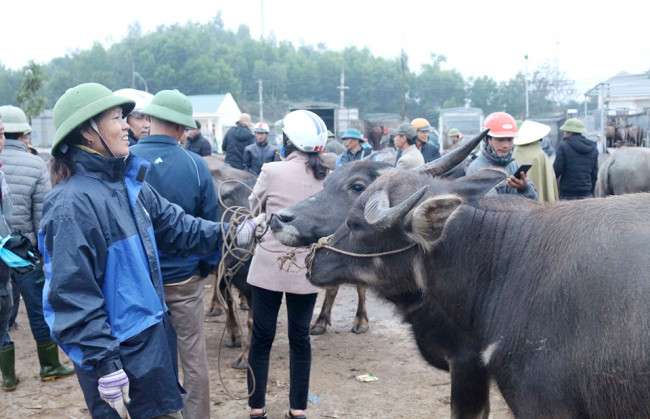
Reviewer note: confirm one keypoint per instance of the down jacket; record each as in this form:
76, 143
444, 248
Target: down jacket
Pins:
234, 143
576, 166
103, 294
29, 182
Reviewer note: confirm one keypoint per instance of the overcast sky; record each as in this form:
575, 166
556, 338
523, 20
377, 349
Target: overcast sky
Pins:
589, 41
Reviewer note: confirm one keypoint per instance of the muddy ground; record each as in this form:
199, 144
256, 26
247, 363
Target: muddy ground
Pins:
406, 386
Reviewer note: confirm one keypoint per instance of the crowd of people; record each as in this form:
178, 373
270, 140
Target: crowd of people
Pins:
125, 219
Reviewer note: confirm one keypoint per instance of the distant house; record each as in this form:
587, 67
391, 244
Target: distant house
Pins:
216, 113
626, 92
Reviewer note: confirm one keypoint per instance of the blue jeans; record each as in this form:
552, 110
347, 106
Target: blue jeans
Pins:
266, 305
31, 288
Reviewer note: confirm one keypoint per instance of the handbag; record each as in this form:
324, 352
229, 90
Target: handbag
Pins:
18, 253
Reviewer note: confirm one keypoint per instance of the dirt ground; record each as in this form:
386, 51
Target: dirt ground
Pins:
406, 386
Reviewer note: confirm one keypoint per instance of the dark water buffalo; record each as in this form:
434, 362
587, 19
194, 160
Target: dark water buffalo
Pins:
441, 341
555, 296
627, 171
233, 187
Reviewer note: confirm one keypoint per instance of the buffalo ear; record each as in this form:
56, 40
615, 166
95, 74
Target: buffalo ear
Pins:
429, 218
473, 187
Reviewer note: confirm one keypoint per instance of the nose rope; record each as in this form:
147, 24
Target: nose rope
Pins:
323, 244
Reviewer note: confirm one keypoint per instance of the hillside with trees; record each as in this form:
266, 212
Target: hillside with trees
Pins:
206, 58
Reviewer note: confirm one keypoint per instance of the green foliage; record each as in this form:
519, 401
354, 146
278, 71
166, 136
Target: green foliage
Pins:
207, 59
31, 102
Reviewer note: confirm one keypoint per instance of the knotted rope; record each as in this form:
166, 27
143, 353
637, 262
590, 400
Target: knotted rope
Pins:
323, 244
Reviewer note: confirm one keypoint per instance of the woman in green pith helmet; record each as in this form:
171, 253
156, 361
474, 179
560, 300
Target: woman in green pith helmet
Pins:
100, 233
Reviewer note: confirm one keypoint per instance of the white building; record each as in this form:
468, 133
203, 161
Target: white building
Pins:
216, 113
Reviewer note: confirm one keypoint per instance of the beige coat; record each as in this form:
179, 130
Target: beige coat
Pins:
281, 184
411, 157
541, 173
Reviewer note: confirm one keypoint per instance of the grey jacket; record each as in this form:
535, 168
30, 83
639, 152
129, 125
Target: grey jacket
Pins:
5, 230
29, 182
511, 167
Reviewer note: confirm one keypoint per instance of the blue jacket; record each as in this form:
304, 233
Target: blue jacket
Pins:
103, 295
181, 177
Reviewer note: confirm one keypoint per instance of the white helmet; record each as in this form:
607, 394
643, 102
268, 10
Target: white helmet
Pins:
140, 98
261, 127
306, 130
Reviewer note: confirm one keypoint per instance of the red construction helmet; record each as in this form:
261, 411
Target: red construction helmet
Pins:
501, 125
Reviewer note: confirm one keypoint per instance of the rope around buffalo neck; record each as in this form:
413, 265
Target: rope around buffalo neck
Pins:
322, 244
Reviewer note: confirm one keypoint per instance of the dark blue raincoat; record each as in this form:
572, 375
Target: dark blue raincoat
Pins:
103, 294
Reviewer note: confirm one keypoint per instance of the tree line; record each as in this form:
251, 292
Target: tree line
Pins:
208, 59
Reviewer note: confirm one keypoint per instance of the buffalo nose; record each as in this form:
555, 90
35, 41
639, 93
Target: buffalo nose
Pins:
284, 216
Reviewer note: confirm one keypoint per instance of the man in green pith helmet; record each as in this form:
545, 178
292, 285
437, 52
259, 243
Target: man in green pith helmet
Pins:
182, 177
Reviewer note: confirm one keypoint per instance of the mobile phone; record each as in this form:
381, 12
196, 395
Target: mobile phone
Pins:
522, 169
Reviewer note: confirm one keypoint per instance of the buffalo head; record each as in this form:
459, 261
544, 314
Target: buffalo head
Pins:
321, 214
403, 209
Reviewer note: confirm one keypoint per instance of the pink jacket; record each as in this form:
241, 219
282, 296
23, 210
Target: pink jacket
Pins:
281, 184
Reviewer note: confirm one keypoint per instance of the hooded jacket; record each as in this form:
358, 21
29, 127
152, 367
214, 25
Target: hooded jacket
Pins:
234, 143
103, 295
576, 166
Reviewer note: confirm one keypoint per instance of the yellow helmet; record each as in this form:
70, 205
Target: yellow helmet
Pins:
421, 124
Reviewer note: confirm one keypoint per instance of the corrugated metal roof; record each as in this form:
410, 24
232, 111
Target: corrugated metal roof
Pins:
629, 85
206, 103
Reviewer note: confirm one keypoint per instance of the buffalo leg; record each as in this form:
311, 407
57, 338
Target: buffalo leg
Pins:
232, 323
470, 388
215, 305
361, 318
241, 363
325, 316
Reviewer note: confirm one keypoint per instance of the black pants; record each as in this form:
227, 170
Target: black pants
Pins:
266, 305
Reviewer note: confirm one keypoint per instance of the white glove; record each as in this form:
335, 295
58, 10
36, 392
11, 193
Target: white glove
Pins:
114, 390
254, 227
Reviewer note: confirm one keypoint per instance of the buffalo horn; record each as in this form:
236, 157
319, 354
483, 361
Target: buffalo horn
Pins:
379, 213
369, 156
450, 160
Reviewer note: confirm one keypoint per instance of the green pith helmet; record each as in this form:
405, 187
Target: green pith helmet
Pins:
172, 106
573, 125
352, 133
330, 134
454, 132
80, 103
14, 119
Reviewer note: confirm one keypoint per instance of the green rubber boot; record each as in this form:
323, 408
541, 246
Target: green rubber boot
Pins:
51, 368
8, 367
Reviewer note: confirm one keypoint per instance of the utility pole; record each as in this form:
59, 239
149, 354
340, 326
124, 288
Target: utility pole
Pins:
526, 85
342, 88
262, 19
260, 92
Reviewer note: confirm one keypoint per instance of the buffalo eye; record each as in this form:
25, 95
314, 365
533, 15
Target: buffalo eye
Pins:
358, 187
351, 224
